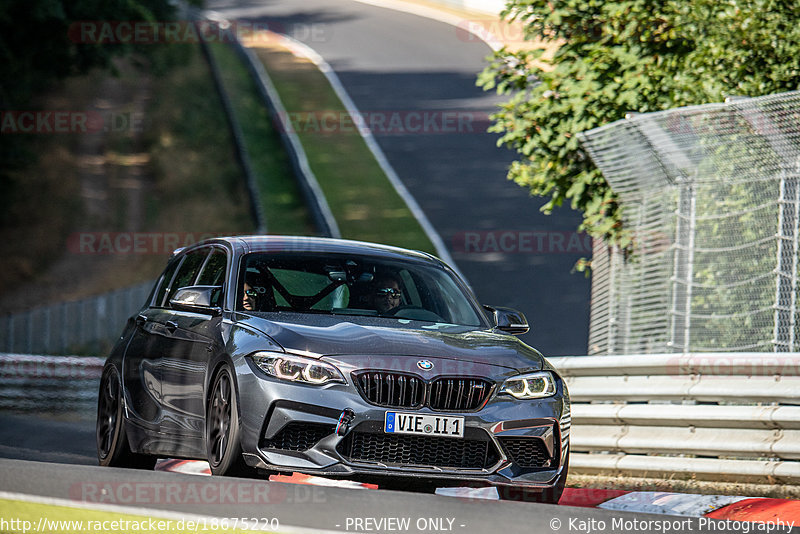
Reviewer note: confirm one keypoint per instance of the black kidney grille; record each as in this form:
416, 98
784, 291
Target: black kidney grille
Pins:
526, 452
392, 389
458, 393
421, 451
400, 390
298, 436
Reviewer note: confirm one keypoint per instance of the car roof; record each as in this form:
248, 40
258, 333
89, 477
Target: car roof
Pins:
275, 243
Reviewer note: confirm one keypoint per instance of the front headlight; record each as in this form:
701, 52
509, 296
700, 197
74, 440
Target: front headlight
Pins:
531, 386
297, 369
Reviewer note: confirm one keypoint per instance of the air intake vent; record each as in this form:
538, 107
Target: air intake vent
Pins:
526, 452
298, 436
474, 451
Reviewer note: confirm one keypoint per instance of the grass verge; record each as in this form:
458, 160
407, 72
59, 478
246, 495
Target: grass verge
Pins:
24, 517
363, 201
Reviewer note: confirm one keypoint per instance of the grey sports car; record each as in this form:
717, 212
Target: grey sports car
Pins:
334, 358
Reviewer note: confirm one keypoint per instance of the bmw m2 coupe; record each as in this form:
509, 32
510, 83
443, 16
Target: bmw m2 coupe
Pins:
334, 358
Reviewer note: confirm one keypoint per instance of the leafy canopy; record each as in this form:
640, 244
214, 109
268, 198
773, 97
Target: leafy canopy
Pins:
39, 41
619, 56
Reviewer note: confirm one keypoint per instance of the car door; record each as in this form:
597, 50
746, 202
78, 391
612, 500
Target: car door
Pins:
185, 364
141, 363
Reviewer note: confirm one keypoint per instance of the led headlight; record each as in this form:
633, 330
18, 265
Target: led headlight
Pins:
297, 369
531, 386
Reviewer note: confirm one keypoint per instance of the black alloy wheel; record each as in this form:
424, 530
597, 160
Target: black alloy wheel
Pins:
113, 449
223, 444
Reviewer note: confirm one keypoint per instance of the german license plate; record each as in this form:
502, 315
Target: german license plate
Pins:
424, 425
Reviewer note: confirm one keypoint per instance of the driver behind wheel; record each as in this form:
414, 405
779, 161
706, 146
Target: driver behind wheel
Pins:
386, 294
256, 294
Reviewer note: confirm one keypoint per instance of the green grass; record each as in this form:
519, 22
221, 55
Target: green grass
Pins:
282, 203
363, 201
25, 517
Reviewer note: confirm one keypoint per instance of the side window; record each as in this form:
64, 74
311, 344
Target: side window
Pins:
187, 272
166, 278
213, 273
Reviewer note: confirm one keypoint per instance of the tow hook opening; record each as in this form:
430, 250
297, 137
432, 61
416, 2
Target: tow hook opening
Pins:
344, 421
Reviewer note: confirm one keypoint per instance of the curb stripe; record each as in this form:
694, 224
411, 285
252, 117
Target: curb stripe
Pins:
777, 511
588, 497
680, 504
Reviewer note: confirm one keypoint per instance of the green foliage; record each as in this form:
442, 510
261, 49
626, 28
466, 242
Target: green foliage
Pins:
619, 56
38, 40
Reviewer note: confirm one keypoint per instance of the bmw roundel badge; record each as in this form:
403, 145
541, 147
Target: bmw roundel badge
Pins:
425, 365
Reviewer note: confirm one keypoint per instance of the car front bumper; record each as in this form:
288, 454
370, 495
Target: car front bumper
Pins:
300, 435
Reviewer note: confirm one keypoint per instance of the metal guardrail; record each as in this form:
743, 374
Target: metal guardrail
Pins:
712, 416
50, 384
89, 324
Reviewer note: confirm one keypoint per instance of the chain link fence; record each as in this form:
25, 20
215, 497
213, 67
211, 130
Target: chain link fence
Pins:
88, 325
712, 194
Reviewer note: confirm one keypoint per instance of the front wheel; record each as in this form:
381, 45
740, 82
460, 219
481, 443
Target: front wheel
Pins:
112, 442
223, 445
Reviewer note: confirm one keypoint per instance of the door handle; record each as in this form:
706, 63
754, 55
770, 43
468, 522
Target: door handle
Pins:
141, 320
171, 326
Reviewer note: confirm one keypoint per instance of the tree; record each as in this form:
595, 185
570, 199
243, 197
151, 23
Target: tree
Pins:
37, 49
35, 43
620, 56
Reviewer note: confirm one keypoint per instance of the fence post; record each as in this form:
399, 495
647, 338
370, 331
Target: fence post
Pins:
47, 333
10, 323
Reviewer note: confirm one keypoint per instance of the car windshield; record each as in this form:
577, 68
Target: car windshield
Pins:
336, 284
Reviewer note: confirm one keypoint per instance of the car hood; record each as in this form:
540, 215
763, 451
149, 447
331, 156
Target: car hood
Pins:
351, 341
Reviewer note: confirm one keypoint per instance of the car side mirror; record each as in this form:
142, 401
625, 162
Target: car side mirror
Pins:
508, 320
199, 299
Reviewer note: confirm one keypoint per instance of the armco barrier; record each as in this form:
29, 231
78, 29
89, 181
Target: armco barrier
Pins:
49, 384
69, 326
712, 416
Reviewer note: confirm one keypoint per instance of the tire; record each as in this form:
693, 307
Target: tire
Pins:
223, 444
549, 495
113, 449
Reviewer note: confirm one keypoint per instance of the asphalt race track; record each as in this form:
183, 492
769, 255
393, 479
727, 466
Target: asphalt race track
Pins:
392, 62
317, 508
